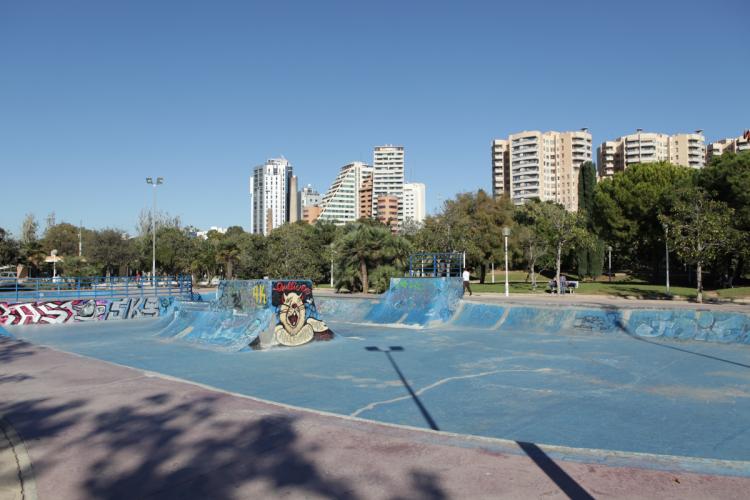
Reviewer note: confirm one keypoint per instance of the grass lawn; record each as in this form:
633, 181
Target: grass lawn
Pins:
622, 287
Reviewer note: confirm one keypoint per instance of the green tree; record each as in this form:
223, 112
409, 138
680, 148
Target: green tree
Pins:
62, 237
626, 209
699, 229
473, 223
528, 237
174, 250
9, 249
562, 230
364, 247
727, 179
590, 258
294, 252
111, 251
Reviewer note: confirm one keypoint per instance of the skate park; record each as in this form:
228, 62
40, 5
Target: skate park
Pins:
584, 383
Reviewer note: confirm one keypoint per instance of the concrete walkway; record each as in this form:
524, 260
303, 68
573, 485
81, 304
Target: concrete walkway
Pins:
97, 430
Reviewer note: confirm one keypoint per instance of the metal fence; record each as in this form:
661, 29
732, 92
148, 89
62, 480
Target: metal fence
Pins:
433, 265
99, 287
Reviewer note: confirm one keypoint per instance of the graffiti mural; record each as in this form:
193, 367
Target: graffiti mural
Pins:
57, 311
297, 317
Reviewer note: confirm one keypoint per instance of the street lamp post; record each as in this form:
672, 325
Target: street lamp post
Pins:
506, 233
609, 251
154, 183
666, 252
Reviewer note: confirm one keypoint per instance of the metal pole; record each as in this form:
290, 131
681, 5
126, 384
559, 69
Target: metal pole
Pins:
331, 270
610, 262
666, 246
493, 272
507, 292
153, 241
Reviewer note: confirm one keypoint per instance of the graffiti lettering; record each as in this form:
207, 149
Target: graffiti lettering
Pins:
259, 294
55, 312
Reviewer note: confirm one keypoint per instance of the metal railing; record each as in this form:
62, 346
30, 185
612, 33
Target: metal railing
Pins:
434, 265
98, 287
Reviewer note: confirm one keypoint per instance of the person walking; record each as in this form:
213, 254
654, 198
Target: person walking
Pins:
467, 283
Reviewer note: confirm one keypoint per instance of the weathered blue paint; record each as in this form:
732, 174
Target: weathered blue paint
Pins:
418, 302
472, 315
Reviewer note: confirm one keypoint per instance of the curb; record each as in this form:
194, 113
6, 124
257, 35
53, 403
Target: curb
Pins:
26, 481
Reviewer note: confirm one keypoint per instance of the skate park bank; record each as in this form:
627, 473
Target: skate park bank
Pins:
619, 381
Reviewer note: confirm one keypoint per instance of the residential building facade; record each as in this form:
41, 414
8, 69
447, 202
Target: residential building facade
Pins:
688, 150
341, 203
309, 197
414, 202
731, 144
388, 210
500, 168
270, 189
365, 198
388, 175
543, 165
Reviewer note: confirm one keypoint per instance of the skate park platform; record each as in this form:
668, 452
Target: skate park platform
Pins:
659, 388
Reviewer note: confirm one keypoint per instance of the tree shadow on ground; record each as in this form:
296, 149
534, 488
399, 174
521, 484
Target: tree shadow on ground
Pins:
164, 446
11, 349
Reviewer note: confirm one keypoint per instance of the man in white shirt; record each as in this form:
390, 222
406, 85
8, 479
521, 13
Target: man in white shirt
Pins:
467, 283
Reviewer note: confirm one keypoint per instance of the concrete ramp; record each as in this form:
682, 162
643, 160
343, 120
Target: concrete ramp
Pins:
251, 314
414, 302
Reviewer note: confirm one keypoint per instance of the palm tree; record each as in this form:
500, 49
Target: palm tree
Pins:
32, 254
368, 246
228, 254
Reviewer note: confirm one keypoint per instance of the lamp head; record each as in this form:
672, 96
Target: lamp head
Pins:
160, 180
149, 180
506, 231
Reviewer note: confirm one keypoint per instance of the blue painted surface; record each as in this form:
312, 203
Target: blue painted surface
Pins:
472, 315
573, 387
669, 382
417, 301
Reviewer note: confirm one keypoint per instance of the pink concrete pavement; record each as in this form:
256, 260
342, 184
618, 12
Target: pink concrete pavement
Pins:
97, 430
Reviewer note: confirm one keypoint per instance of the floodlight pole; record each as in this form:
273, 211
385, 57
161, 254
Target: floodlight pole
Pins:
154, 183
666, 252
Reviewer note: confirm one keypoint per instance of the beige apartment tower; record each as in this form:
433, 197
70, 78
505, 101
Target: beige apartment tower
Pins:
500, 168
543, 165
730, 144
687, 150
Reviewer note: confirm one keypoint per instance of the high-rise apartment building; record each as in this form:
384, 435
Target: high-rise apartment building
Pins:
341, 203
365, 198
388, 209
544, 165
309, 197
414, 202
295, 211
687, 150
730, 144
388, 175
269, 195
500, 165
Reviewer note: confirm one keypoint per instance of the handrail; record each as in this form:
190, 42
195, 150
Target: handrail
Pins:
96, 287
429, 265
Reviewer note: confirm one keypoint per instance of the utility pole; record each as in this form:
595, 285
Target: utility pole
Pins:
154, 183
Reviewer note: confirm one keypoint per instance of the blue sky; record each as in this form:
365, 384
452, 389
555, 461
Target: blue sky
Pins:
97, 95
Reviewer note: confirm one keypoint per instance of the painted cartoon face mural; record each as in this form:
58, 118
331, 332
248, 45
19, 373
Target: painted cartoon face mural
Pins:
298, 321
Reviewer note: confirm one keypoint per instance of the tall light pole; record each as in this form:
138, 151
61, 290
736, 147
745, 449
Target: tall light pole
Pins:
506, 233
609, 251
666, 252
150, 180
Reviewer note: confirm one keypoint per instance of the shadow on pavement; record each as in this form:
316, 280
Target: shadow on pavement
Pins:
163, 446
567, 484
